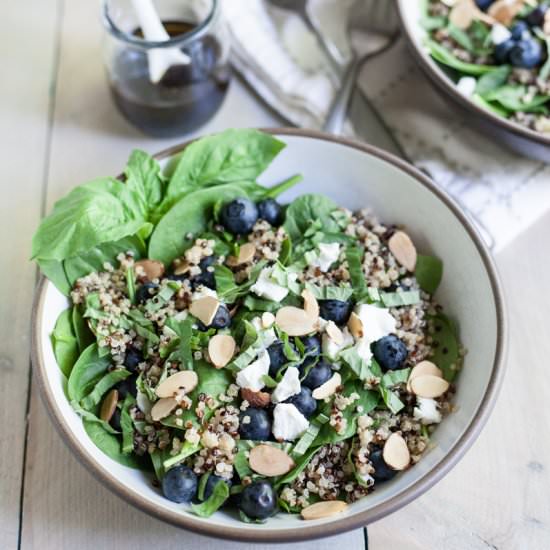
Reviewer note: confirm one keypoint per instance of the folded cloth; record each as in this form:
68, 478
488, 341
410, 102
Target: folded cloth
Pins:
274, 51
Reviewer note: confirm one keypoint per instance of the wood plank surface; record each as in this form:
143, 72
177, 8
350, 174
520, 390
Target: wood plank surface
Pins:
24, 103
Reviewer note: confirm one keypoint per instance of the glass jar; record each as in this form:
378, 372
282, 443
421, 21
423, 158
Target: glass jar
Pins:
187, 95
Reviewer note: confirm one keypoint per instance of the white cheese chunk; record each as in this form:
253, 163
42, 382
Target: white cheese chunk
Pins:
426, 411
288, 386
377, 322
467, 85
288, 422
331, 348
267, 336
251, 377
266, 287
363, 349
499, 34
328, 254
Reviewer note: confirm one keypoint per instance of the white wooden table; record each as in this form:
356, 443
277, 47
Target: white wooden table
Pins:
58, 127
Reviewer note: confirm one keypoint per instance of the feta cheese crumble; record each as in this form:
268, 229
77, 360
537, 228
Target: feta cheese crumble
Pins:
266, 288
288, 386
288, 422
328, 254
467, 85
251, 377
499, 34
377, 322
426, 411
331, 348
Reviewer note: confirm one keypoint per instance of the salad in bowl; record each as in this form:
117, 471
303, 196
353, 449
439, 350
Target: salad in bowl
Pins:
253, 356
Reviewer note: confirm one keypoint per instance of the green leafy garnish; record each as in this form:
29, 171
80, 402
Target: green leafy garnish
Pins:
64, 342
428, 272
446, 350
214, 502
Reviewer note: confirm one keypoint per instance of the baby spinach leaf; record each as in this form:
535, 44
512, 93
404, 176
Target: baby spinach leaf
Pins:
446, 57
446, 350
157, 459
84, 335
304, 209
86, 372
544, 71
97, 212
53, 270
428, 272
301, 464
91, 417
512, 97
395, 377
187, 450
188, 216
493, 80
95, 258
461, 38
363, 370
90, 401
342, 292
493, 107
307, 439
110, 445
212, 381
184, 330
64, 342
398, 299
279, 188
226, 157
214, 502
127, 425
391, 400
354, 257
285, 255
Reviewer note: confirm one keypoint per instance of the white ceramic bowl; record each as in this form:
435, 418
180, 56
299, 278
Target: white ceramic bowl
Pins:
355, 176
515, 136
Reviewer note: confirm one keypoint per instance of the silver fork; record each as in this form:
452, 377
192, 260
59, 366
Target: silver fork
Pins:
369, 16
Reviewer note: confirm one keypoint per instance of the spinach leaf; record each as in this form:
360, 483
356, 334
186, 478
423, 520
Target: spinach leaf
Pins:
544, 71
367, 372
391, 400
446, 349
395, 377
187, 450
342, 292
301, 464
303, 210
446, 57
354, 257
54, 271
158, 458
86, 372
398, 299
428, 272
97, 212
233, 155
127, 425
184, 330
285, 255
490, 106
214, 502
228, 290
91, 417
90, 401
95, 258
64, 342
188, 216
511, 97
212, 381
84, 335
493, 80
307, 439
279, 188
110, 445
461, 38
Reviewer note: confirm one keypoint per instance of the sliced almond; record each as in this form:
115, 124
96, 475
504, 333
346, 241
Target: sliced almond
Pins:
267, 319
246, 253
185, 380
396, 453
295, 321
163, 408
422, 368
181, 267
505, 11
108, 407
403, 249
328, 388
270, 461
311, 306
221, 349
205, 309
324, 509
149, 269
259, 399
334, 333
463, 13
429, 386
355, 326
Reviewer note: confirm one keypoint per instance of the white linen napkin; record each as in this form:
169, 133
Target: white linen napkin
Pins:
280, 59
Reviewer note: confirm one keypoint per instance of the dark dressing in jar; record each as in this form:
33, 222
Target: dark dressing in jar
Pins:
185, 98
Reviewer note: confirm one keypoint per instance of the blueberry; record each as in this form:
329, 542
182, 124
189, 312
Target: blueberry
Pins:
180, 484
239, 216
127, 386
382, 472
484, 4
258, 428
205, 277
222, 319
211, 482
317, 376
277, 357
115, 420
390, 352
133, 358
536, 17
335, 310
312, 345
526, 54
270, 211
304, 402
520, 31
258, 500
502, 51
146, 292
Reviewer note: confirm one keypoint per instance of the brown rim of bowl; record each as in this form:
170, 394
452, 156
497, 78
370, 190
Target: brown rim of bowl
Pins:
313, 530
443, 82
